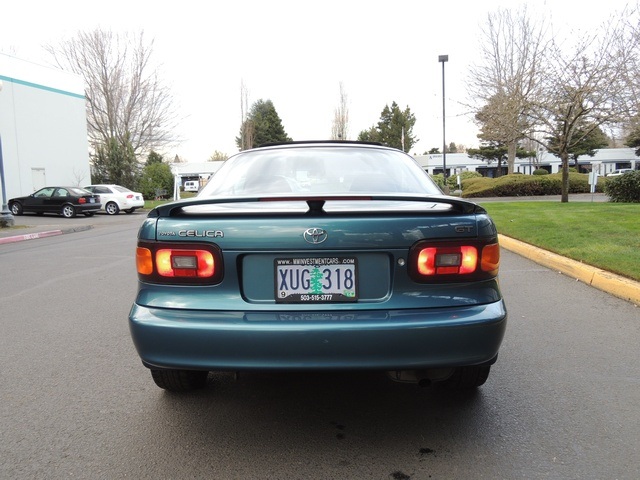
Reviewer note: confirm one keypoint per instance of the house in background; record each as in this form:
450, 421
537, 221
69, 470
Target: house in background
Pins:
43, 126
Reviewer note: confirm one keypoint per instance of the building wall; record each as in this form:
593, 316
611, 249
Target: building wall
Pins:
43, 127
605, 161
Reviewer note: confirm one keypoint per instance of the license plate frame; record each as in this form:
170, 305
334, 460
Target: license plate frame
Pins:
304, 280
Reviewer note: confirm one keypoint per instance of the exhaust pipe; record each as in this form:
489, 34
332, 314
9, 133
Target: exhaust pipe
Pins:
424, 378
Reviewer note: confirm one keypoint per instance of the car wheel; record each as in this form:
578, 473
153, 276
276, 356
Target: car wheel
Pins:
89, 214
68, 211
111, 208
16, 208
468, 377
180, 380
130, 210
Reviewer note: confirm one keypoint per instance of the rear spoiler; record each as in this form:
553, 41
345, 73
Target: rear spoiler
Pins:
316, 202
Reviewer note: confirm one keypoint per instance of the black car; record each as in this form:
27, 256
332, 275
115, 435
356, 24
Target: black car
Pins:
65, 201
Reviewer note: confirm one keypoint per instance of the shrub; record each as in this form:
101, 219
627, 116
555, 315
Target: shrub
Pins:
527, 185
540, 171
452, 181
439, 179
625, 188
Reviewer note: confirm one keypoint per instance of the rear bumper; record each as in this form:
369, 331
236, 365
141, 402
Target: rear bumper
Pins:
88, 207
376, 339
127, 204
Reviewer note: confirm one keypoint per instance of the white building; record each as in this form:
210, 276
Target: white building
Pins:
43, 127
605, 161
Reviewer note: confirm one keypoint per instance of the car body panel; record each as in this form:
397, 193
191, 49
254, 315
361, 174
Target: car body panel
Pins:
377, 339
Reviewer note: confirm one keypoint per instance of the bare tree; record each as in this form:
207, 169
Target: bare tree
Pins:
583, 89
125, 97
340, 127
507, 77
629, 131
247, 128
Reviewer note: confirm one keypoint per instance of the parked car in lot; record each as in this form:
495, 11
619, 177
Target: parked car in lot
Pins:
319, 256
621, 171
65, 201
116, 197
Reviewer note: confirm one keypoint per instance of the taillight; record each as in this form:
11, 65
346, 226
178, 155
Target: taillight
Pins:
172, 262
129, 196
178, 263
82, 200
454, 261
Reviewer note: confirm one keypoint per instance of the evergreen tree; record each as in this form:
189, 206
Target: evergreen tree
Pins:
394, 129
154, 157
589, 140
156, 176
265, 125
116, 162
633, 140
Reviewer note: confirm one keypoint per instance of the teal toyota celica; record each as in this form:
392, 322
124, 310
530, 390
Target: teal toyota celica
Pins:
319, 256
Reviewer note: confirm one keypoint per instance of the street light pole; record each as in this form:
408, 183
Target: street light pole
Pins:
442, 59
6, 218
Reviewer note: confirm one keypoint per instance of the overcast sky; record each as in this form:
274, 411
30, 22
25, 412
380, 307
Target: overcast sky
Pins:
296, 53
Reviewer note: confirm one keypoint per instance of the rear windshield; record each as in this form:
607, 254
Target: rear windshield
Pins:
319, 170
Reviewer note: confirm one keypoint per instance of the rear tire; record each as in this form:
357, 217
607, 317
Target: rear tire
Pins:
112, 208
180, 380
468, 377
68, 211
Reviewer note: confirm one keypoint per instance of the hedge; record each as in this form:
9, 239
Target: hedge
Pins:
624, 188
528, 185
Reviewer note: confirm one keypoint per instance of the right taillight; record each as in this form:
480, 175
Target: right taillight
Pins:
431, 262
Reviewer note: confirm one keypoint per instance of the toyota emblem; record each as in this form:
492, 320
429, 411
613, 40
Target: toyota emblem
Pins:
315, 235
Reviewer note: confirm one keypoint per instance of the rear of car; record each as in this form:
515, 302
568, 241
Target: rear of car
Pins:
191, 186
319, 257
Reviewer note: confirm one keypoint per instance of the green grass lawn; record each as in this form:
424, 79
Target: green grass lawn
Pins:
605, 235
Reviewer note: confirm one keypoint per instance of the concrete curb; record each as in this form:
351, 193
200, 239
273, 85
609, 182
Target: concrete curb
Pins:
621, 287
48, 233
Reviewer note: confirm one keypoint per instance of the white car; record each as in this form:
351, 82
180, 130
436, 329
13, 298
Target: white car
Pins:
622, 171
116, 197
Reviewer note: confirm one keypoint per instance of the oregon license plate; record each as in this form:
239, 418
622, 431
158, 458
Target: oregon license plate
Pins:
316, 280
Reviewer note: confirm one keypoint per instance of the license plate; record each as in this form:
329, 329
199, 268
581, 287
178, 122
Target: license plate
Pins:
316, 280
92, 200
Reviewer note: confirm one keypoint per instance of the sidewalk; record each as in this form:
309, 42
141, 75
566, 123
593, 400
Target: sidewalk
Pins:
30, 232
32, 227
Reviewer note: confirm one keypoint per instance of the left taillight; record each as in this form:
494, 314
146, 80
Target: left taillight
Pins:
177, 263
456, 261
